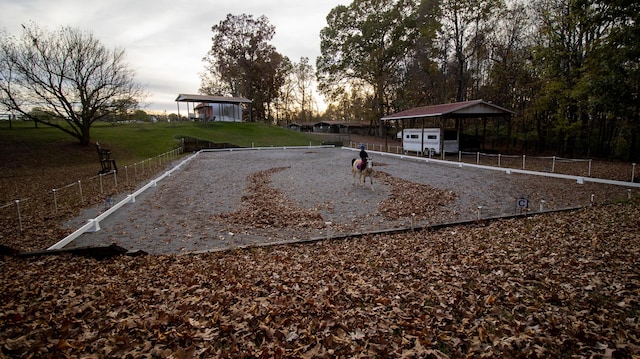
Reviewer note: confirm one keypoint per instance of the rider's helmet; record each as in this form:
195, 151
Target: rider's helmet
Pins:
362, 147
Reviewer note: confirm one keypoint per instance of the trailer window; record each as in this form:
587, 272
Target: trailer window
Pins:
412, 136
432, 137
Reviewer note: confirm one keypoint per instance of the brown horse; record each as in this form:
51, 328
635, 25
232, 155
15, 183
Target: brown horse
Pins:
363, 174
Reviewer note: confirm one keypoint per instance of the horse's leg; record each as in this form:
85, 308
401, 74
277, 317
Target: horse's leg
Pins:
370, 175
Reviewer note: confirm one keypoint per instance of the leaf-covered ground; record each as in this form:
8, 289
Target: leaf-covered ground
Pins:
554, 285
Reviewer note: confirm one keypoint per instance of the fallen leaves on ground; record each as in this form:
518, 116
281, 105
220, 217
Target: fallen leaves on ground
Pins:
267, 207
413, 199
552, 285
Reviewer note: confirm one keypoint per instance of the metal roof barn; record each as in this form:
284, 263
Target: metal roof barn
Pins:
456, 110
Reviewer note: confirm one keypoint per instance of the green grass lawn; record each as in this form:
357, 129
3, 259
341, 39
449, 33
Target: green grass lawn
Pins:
139, 141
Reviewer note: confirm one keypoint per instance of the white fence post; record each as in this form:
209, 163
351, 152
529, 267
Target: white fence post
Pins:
19, 216
633, 172
80, 190
55, 200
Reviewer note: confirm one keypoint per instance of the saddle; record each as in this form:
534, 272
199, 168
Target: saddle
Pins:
361, 166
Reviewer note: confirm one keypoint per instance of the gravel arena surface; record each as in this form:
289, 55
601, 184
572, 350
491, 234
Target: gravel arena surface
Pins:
220, 200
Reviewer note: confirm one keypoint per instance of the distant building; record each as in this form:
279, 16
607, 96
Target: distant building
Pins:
214, 108
360, 128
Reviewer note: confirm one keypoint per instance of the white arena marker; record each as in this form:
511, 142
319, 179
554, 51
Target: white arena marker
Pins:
95, 225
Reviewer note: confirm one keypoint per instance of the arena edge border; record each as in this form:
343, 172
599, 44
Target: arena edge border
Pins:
578, 179
417, 228
93, 224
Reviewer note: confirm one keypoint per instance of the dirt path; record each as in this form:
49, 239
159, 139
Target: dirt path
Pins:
224, 199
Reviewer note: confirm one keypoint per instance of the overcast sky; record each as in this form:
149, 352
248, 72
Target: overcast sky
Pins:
165, 41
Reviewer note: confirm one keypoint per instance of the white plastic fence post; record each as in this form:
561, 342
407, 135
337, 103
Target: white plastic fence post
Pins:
55, 200
523, 161
553, 165
633, 172
499, 160
459, 156
126, 174
589, 175
80, 190
477, 158
115, 179
19, 216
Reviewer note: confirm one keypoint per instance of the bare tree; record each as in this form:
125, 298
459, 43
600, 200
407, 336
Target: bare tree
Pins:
304, 74
67, 73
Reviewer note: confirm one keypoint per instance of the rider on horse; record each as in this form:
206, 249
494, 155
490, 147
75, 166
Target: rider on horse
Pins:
363, 157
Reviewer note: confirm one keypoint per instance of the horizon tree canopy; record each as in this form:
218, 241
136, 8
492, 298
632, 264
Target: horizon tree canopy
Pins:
68, 74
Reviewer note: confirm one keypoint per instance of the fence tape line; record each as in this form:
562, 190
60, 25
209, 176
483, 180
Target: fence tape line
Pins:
94, 224
579, 179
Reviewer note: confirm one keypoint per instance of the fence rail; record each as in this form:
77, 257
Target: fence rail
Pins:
60, 201
550, 164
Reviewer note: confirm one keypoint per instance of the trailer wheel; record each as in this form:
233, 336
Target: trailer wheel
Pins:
429, 152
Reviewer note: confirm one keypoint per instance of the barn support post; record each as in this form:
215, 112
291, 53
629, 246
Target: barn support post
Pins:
442, 157
422, 139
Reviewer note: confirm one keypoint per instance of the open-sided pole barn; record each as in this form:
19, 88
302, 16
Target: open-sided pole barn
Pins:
457, 110
205, 99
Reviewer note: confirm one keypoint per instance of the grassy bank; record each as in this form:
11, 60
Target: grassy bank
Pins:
134, 142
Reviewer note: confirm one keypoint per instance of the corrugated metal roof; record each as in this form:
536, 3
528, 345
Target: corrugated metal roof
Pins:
475, 108
211, 99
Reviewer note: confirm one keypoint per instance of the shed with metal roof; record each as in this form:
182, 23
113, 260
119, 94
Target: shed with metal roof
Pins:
228, 108
457, 110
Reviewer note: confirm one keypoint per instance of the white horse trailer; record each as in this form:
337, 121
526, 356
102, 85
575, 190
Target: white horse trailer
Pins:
427, 140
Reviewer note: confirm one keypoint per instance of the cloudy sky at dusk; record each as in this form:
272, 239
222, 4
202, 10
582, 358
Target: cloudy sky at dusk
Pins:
165, 41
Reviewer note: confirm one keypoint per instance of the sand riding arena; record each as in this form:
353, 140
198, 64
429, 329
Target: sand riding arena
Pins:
225, 199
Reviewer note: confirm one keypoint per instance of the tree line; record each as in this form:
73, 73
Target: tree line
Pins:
569, 69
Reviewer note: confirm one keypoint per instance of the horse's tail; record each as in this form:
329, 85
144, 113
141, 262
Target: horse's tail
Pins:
352, 161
